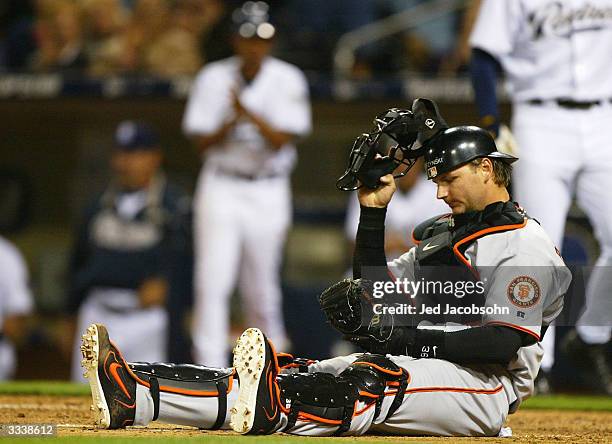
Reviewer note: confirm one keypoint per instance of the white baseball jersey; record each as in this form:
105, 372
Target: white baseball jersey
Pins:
15, 298
243, 178
522, 271
405, 211
549, 48
278, 94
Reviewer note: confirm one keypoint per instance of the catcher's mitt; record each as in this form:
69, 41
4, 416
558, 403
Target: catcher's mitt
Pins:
348, 308
341, 304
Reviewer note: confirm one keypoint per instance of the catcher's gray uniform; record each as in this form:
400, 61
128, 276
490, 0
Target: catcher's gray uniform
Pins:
524, 274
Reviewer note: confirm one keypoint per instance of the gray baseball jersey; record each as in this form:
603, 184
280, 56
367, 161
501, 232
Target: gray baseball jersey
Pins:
524, 278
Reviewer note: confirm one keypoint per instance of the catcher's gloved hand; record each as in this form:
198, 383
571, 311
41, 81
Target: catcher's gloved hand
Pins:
341, 304
348, 308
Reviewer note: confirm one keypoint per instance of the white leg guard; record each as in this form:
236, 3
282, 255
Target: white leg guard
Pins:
184, 394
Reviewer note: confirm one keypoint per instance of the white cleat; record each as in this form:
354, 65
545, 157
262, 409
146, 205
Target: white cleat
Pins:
256, 410
90, 351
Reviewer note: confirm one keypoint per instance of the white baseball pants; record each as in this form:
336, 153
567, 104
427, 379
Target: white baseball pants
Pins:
240, 231
567, 152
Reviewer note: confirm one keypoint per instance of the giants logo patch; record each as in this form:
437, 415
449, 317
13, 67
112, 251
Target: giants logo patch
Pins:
524, 292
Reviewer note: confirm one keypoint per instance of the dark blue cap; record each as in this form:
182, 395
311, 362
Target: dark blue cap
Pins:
132, 135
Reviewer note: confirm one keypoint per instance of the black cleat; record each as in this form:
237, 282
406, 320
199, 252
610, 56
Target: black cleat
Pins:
257, 410
113, 389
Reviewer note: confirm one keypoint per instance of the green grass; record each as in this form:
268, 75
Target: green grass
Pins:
51, 388
556, 402
569, 402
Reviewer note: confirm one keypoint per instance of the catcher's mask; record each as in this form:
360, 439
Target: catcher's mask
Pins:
372, 156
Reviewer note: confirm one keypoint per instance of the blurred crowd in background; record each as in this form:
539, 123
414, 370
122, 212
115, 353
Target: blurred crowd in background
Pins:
131, 37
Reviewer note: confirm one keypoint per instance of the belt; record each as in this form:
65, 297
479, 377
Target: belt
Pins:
245, 176
569, 103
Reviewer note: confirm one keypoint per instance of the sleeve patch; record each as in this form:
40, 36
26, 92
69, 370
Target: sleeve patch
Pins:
524, 292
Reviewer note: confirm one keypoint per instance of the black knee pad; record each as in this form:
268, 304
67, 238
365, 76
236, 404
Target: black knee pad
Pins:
319, 396
373, 374
331, 400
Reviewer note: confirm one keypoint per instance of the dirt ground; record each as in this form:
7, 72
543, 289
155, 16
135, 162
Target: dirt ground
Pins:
72, 416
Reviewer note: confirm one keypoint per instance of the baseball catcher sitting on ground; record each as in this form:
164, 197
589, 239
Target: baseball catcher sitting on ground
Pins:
451, 329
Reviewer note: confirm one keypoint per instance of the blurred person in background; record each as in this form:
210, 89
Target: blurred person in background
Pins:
149, 20
176, 51
157, 37
123, 52
105, 21
129, 246
60, 38
16, 304
244, 114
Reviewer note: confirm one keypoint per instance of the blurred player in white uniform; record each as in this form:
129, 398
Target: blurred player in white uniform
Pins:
244, 114
15, 303
413, 202
556, 59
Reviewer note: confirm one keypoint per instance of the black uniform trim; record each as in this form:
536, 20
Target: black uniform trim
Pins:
154, 390
222, 410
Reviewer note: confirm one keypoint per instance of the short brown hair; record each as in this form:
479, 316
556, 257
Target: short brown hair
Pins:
502, 171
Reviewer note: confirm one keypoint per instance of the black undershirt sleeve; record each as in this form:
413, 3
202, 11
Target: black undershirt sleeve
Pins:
489, 344
370, 240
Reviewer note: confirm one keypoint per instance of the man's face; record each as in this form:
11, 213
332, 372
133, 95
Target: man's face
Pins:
462, 189
252, 51
135, 169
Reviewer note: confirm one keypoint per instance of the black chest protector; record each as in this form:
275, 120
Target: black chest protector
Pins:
445, 273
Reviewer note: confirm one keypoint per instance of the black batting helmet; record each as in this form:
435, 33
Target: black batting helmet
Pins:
457, 146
